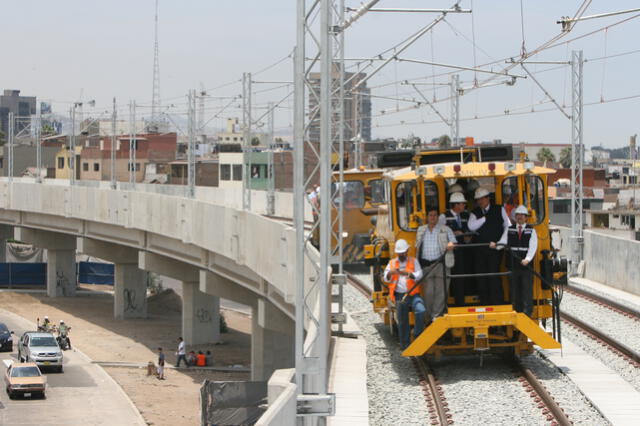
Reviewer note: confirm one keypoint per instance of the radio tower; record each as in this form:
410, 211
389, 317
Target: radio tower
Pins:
155, 99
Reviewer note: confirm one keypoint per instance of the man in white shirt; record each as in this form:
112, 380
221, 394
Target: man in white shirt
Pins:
523, 244
182, 352
432, 241
403, 275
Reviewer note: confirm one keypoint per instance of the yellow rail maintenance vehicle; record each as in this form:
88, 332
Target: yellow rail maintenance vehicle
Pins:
472, 327
363, 193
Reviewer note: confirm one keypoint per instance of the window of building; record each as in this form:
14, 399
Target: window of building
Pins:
560, 207
85, 167
61, 162
235, 138
225, 172
227, 138
237, 172
137, 167
96, 167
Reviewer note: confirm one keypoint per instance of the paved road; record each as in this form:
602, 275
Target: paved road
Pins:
83, 395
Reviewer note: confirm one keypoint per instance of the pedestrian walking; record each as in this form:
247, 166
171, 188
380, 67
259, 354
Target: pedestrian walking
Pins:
182, 352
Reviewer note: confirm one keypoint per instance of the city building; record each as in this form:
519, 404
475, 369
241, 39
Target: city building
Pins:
93, 127
151, 148
532, 149
25, 158
21, 106
357, 107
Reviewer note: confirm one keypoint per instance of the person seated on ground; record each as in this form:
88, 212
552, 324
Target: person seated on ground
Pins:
191, 359
209, 359
201, 360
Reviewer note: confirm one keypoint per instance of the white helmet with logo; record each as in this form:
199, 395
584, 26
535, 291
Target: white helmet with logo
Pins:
457, 197
401, 246
456, 187
481, 192
522, 209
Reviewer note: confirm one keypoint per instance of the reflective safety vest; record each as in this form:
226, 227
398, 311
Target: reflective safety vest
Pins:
412, 288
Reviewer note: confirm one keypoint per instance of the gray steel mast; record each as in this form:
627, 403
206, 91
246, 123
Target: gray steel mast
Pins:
577, 150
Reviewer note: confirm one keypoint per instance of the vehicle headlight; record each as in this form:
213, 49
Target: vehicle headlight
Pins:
10, 339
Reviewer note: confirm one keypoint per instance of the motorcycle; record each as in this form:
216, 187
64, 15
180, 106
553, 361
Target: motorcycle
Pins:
63, 339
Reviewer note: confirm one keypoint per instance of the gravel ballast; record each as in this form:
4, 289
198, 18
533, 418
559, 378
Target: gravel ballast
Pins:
620, 327
490, 394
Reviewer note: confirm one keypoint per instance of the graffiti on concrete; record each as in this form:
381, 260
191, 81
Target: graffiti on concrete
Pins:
203, 315
130, 304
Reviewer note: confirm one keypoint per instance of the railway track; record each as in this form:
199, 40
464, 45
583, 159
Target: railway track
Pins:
605, 302
437, 404
630, 354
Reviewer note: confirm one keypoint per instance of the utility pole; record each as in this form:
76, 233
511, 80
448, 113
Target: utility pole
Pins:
155, 98
132, 143
72, 145
191, 155
114, 145
271, 187
11, 141
577, 149
37, 133
246, 146
454, 119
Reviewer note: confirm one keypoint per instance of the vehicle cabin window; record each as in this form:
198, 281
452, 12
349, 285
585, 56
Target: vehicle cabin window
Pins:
3, 328
25, 372
405, 194
510, 196
43, 341
377, 191
353, 193
535, 189
431, 194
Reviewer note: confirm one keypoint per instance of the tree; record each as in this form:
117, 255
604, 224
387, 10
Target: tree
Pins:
565, 157
545, 155
47, 130
444, 141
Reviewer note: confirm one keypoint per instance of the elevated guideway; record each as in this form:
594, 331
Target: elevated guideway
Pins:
208, 242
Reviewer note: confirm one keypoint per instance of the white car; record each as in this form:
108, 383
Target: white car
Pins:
40, 348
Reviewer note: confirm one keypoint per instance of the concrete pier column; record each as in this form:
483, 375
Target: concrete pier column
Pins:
61, 259
129, 282
61, 273
200, 315
272, 341
130, 291
6, 232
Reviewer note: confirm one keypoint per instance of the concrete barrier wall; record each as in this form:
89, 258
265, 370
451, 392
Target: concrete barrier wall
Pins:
282, 400
608, 259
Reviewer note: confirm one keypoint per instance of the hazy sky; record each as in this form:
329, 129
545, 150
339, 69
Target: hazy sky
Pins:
71, 50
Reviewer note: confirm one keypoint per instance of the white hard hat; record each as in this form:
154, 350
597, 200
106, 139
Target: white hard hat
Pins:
456, 187
521, 209
481, 192
61, 321
457, 197
46, 317
401, 246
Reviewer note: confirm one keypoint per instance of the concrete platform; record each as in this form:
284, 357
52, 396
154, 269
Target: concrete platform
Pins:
348, 378
589, 285
615, 398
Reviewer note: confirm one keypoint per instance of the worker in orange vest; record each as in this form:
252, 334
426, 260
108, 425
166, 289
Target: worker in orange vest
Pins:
201, 359
403, 274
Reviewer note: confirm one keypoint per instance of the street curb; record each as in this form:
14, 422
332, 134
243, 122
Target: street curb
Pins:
141, 419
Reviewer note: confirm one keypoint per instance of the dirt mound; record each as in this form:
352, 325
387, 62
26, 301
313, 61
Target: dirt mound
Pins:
165, 301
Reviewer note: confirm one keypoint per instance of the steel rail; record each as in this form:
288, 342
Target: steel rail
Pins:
544, 395
436, 401
633, 356
606, 302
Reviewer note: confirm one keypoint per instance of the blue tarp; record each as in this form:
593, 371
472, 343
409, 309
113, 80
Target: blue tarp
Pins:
95, 273
23, 274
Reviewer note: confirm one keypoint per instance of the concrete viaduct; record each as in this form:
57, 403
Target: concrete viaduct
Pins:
207, 242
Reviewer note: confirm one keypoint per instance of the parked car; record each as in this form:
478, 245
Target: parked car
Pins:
24, 379
41, 348
6, 338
